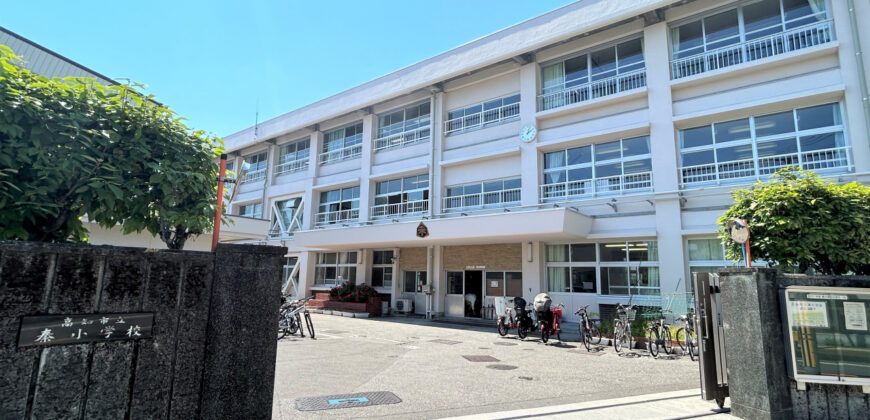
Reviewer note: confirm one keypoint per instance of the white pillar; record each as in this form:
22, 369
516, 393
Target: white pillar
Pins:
438, 280
368, 136
528, 151
307, 261
363, 266
310, 197
854, 107
534, 275
664, 157
435, 183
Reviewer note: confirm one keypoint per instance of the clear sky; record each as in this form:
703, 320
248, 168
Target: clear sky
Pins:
216, 62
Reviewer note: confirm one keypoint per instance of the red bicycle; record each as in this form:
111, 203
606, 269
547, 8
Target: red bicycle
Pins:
550, 323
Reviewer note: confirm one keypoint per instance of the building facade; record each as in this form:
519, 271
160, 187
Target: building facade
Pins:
586, 153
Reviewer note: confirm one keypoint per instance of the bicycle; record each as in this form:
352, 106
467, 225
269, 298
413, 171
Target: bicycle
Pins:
686, 337
622, 326
290, 320
659, 334
588, 330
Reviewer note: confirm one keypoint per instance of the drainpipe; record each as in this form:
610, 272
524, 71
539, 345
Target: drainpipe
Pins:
862, 76
432, 154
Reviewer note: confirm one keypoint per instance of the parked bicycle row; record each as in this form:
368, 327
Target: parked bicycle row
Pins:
292, 314
540, 315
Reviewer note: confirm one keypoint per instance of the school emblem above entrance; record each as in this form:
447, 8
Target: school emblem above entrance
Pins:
422, 230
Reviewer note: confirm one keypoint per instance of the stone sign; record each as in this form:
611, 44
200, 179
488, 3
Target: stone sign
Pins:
49, 330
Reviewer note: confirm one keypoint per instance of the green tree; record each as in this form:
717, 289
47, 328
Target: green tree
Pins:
72, 147
798, 220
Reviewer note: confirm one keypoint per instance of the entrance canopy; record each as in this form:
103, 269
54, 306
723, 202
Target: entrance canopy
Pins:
557, 224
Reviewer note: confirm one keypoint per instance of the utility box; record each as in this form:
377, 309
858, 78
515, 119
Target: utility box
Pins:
826, 334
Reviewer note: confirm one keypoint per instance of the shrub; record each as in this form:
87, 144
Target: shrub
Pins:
349, 292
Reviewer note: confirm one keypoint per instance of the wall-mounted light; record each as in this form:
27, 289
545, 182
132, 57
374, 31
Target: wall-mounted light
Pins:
531, 253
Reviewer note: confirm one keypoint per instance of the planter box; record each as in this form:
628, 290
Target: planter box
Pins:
372, 307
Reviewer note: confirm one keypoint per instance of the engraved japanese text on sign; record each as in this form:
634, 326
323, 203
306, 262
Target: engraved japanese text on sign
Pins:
49, 330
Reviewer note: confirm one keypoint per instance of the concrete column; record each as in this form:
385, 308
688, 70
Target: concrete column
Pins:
854, 107
310, 197
307, 262
368, 138
534, 276
363, 265
272, 158
528, 152
437, 279
662, 141
672, 268
435, 182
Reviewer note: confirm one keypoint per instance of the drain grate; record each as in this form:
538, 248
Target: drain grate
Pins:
501, 367
505, 344
473, 358
443, 341
360, 399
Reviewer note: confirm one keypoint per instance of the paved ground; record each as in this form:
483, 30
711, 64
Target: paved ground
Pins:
434, 380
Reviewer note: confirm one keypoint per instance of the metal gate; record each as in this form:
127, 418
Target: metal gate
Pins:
711, 343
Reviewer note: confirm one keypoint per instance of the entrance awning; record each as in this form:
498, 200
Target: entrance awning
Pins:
557, 224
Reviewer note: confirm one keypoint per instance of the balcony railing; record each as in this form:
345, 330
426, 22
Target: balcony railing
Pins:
483, 118
599, 88
344, 153
501, 198
400, 209
333, 217
818, 160
592, 188
292, 166
402, 139
254, 176
756, 49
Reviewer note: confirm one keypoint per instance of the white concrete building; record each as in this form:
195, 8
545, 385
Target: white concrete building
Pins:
586, 152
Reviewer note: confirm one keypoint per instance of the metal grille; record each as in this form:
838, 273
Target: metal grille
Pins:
361, 399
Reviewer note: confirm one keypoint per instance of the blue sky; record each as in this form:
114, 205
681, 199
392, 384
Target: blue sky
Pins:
216, 62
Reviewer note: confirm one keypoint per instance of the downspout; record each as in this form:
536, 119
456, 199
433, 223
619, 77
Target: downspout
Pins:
862, 76
432, 155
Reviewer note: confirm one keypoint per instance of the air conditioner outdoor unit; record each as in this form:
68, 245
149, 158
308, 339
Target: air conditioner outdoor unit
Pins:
403, 305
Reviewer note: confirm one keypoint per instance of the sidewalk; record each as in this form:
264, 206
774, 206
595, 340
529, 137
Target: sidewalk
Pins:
666, 405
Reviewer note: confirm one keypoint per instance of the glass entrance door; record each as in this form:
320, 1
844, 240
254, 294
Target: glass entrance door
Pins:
454, 300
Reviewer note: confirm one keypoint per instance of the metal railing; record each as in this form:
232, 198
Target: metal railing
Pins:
292, 166
756, 168
333, 217
402, 139
756, 49
599, 88
254, 176
344, 153
591, 188
479, 119
501, 198
400, 209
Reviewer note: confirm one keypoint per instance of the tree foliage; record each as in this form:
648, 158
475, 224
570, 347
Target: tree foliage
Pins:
798, 220
72, 147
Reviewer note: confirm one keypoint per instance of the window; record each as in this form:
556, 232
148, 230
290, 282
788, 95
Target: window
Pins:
492, 112
286, 217
334, 268
254, 167
338, 205
382, 268
749, 148
412, 278
454, 282
749, 32
486, 194
254, 210
401, 196
403, 127
342, 144
293, 157
606, 71
622, 268
618, 167
504, 283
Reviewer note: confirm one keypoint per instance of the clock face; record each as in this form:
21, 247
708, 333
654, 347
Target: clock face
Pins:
528, 133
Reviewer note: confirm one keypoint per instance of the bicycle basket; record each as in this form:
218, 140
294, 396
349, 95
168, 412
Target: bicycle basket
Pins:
631, 314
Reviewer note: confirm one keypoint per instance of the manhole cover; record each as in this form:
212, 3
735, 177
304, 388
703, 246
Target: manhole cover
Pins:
443, 341
589, 353
630, 355
481, 358
483, 348
501, 367
525, 378
505, 344
361, 399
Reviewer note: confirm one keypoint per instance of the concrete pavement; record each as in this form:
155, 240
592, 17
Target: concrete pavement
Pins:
432, 369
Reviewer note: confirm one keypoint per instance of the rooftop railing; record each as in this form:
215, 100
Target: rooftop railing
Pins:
756, 49
402, 139
735, 171
593, 188
568, 95
483, 118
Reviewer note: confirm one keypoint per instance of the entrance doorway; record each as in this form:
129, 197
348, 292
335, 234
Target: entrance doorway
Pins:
473, 293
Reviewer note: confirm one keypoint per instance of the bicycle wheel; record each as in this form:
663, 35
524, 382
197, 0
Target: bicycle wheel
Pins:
309, 324
594, 335
282, 326
690, 344
680, 336
544, 335
584, 337
502, 328
299, 325
294, 326
666, 340
626, 336
618, 332
653, 342
522, 332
